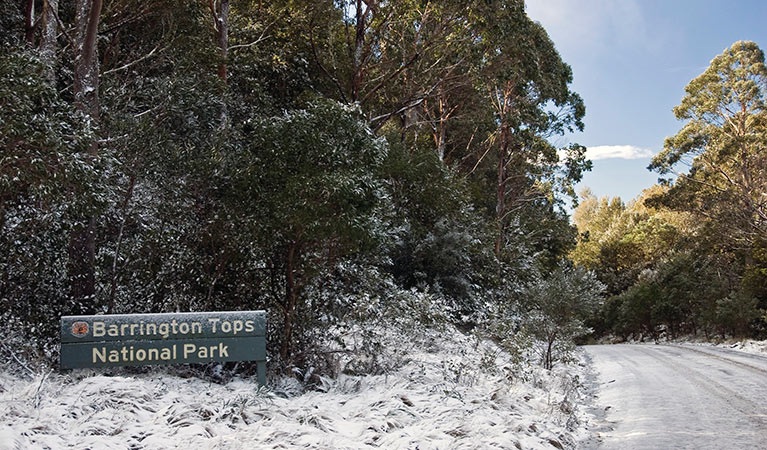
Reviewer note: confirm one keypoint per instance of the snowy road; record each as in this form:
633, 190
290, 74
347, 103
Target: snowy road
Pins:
670, 397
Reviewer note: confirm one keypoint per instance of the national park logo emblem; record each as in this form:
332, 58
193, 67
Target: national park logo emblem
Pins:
79, 329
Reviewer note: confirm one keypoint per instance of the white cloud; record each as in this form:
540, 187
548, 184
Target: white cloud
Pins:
617, 152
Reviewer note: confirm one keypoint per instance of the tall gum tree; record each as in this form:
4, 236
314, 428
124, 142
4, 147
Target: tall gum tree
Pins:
724, 144
82, 248
219, 10
527, 84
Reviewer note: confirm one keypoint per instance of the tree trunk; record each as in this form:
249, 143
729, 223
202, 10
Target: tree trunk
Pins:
29, 23
126, 201
694, 326
82, 244
547, 363
500, 205
86, 74
290, 302
220, 13
359, 42
49, 40
441, 134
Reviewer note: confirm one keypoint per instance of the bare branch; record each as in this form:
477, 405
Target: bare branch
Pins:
384, 117
479, 161
261, 38
63, 28
390, 77
256, 42
322, 66
133, 63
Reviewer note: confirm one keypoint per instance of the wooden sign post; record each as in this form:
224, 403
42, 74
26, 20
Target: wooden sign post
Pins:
175, 338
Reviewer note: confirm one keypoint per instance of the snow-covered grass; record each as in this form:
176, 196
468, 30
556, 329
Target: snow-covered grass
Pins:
454, 392
742, 345
754, 347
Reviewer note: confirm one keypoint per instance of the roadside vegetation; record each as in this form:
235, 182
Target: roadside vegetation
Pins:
689, 255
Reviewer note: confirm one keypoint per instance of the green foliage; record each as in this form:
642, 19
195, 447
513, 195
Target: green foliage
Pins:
314, 171
593, 217
678, 295
45, 182
556, 308
737, 312
660, 273
723, 139
442, 243
310, 176
754, 281
11, 23
40, 135
619, 241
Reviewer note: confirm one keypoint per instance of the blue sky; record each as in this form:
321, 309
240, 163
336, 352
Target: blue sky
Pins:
631, 60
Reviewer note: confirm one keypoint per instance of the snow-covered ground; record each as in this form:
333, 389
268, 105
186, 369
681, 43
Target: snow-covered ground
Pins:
455, 392
747, 345
751, 346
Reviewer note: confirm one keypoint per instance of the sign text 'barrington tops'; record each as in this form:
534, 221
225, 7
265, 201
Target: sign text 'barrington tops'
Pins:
140, 339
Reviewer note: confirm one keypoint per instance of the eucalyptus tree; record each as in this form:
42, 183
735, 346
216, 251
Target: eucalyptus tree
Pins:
527, 84
724, 144
82, 253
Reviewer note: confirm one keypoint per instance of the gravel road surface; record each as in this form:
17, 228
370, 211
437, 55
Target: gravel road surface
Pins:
680, 397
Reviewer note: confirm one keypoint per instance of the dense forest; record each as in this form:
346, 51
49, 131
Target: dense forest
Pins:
336, 163
347, 164
689, 255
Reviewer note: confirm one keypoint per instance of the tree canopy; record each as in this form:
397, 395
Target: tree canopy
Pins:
723, 143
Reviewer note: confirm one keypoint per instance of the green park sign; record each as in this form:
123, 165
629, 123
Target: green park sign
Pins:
175, 338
